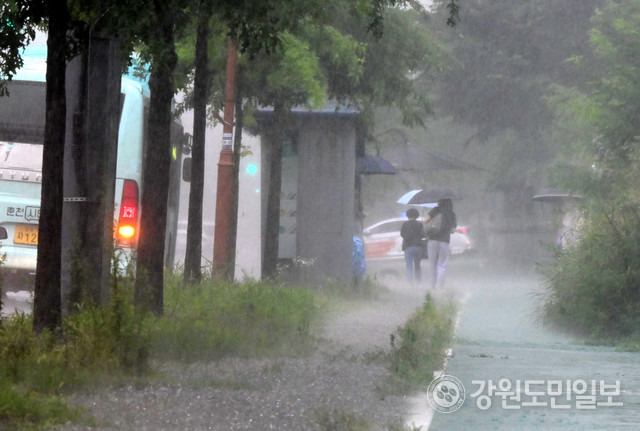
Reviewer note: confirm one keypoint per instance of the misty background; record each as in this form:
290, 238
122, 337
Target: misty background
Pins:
492, 120
491, 136
494, 135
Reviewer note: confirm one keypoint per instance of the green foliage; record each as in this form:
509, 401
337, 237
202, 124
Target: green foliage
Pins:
18, 21
36, 363
108, 340
216, 319
33, 369
615, 40
418, 347
3, 257
25, 410
97, 342
596, 120
454, 12
299, 71
505, 55
202, 322
594, 287
573, 127
398, 67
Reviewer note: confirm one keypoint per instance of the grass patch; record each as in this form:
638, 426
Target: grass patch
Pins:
28, 410
418, 347
115, 344
251, 319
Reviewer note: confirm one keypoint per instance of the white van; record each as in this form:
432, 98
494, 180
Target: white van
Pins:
22, 118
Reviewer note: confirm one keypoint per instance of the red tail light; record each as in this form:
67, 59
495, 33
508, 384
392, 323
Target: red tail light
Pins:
462, 229
128, 220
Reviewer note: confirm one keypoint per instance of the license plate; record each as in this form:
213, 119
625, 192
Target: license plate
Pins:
26, 234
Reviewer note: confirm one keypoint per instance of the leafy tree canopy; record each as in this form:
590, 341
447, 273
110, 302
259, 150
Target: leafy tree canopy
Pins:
505, 55
353, 64
18, 22
615, 90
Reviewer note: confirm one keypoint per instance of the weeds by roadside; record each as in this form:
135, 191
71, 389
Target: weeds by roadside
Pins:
3, 257
116, 343
33, 373
216, 319
28, 410
592, 286
418, 347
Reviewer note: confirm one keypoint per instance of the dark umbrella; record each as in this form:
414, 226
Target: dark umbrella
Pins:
432, 195
371, 165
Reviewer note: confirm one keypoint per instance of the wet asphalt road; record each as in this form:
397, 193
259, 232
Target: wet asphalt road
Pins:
502, 345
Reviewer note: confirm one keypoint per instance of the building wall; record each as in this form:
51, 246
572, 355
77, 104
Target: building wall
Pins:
325, 207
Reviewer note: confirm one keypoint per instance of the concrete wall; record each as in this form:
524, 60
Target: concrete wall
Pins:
326, 181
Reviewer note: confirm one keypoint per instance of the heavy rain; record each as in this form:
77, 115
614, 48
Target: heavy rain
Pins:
397, 216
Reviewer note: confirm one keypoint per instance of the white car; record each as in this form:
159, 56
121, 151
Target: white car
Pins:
383, 245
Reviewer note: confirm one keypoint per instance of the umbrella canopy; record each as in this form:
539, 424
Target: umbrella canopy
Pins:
372, 165
556, 196
430, 196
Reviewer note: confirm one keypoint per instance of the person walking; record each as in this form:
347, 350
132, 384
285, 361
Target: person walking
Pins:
412, 232
438, 245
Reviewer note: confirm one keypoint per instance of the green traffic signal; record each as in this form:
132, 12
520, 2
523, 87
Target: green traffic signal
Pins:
252, 169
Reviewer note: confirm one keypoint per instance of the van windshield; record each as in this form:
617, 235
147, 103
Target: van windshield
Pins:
16, 155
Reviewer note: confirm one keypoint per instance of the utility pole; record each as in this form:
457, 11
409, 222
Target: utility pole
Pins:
224, 194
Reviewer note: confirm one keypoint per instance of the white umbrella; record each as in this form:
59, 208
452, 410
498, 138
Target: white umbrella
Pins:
406, 200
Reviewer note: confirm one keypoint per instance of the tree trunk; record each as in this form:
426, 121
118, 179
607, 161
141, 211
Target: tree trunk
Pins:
272, 225
47, 301
93, 103
155, 177
193, 255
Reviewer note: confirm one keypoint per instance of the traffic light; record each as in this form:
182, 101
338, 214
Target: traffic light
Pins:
252, 169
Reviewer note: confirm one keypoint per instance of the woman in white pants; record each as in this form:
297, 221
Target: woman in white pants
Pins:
438, 245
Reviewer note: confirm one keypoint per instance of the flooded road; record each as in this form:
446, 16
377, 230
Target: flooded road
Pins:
517, 374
